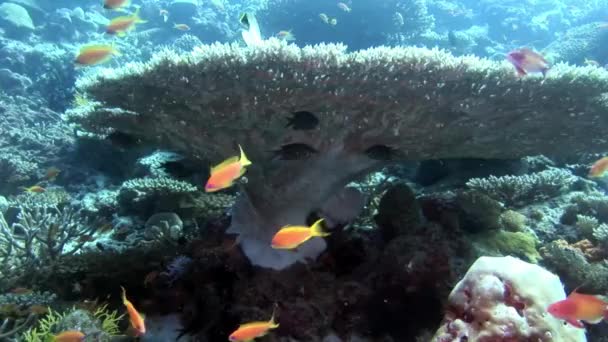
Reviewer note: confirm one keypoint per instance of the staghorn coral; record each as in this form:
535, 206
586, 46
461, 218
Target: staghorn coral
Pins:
402, 98
521, 190
39, 238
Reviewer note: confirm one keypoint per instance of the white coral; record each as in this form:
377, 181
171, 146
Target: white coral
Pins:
504, 298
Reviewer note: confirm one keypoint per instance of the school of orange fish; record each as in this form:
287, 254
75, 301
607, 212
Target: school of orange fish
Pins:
574, 309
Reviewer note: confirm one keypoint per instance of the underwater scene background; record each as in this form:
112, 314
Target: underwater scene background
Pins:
303, 170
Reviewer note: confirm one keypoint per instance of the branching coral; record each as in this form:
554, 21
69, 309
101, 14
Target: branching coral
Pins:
520, 190
420, 103
39, 238
101, 323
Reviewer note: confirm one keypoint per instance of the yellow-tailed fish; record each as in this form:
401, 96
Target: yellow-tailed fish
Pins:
250, 331
95, 54
224, 174
123, 24
290, 237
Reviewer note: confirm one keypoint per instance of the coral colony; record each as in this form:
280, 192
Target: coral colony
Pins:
303, 170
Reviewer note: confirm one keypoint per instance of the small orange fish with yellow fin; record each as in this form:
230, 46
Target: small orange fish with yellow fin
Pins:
123, 24
69, 336
35, 189
290, 237
598, 168
250, 331
579, 307
224, 174
95, 54
181, 27
136, 319
116, 4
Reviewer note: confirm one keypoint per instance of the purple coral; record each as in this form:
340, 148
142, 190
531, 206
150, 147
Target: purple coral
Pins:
177, 268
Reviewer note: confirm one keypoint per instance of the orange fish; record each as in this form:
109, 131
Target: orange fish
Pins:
123, 24
21, 291
286, 36
598, 168
116, 4
290, 237
35, 188
225, 173
580, 307
95, 54
69, 336
137, 320
52, 173
525, 60
181, 27
38, 309
248, 332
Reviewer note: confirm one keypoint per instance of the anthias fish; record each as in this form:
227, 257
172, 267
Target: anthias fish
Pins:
69, 336
250, 331
137, 320
116, 4
181, 27
598, 169
527, 61
95, 54
123, 24
286, 36
35, 189
224, 174
580, 307
290, 237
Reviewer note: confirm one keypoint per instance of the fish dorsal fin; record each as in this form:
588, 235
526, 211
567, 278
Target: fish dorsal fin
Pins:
226, 162
251, 324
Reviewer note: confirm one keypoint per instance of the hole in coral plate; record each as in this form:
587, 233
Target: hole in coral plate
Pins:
302, 120
381, 152
296, 151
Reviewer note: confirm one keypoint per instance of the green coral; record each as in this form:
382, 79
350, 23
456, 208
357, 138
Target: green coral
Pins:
502, 242
513, 221
44, 330
481, 212
102, 323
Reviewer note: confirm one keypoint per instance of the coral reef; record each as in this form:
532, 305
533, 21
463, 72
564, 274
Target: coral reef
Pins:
502, 299
397, 87
570, 262
523, 190
40, 237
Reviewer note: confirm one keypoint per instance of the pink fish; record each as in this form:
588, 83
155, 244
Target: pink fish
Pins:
525, 61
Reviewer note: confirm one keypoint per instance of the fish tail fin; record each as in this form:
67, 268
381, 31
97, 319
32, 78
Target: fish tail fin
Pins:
138, 19
123, 295
243, 160
273, 323
317, 229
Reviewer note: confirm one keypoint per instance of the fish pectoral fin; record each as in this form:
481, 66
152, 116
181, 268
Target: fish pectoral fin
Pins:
520, 71
576, 323
224, 163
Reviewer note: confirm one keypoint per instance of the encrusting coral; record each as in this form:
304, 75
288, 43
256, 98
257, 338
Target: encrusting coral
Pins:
415, 103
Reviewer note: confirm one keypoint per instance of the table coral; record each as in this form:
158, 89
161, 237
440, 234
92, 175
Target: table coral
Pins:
203, 104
